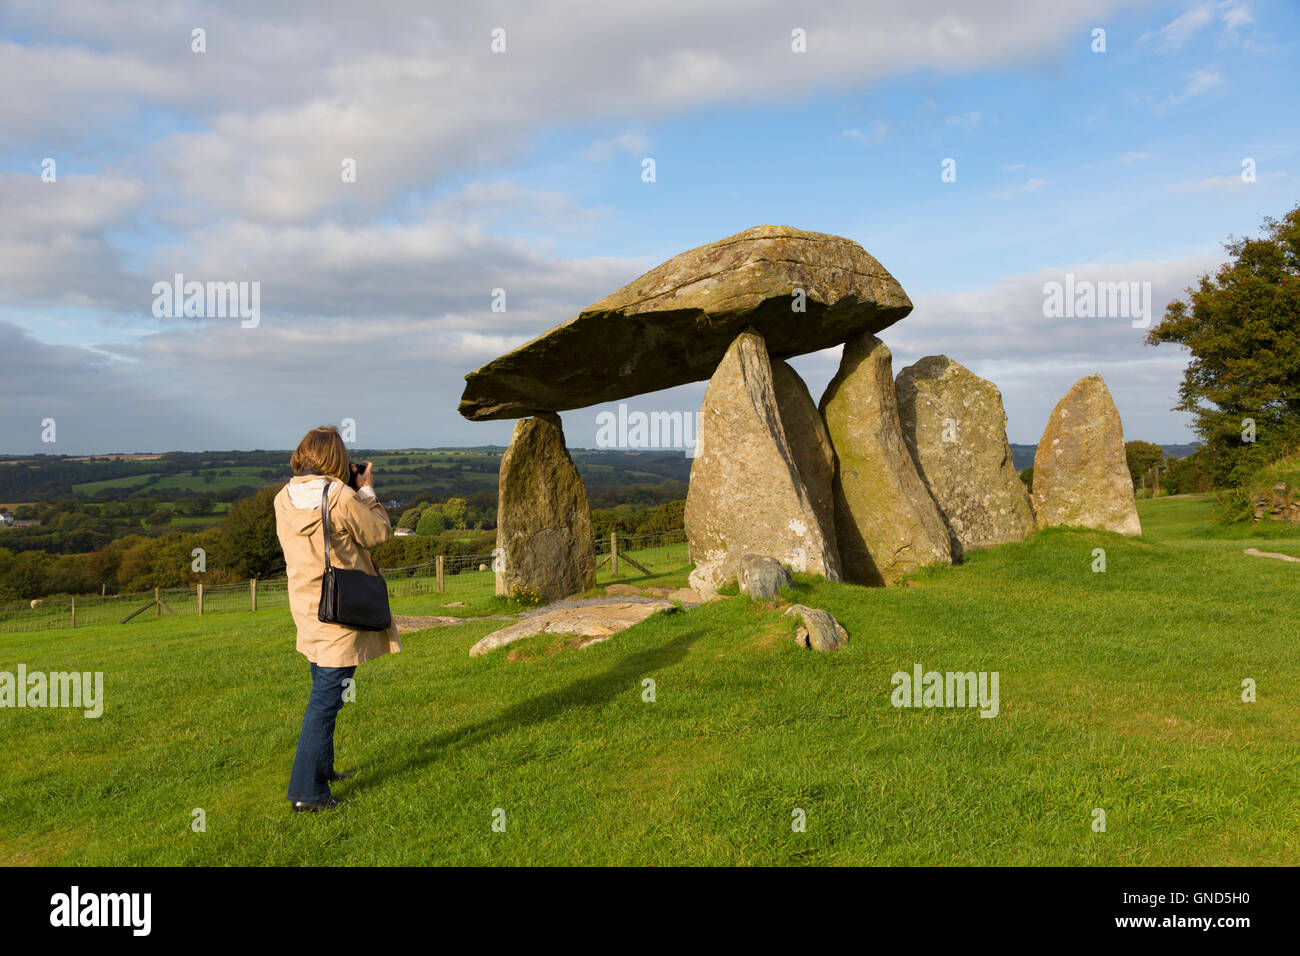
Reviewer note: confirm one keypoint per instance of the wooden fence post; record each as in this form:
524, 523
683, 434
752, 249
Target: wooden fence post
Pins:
74, 610
438, 565
613, 552
252, 592
200, 598
157, 605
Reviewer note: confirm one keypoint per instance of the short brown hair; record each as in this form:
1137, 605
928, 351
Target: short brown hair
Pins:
322, 451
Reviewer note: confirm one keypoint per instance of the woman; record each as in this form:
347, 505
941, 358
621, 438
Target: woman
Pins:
357, 522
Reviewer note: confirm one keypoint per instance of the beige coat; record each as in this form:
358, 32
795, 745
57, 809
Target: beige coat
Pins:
357, 522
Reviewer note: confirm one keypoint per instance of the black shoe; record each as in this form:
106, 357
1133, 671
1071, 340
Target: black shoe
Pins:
336, 777
306, 806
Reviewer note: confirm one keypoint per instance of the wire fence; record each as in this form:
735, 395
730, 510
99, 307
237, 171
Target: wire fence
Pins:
625, 556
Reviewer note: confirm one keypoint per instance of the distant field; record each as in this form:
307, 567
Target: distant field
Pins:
1119, 691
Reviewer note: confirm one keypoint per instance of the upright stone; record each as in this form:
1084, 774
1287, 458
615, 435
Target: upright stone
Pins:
956, 430
543, 520
814, 458
886, 523
746, 495
1081, 475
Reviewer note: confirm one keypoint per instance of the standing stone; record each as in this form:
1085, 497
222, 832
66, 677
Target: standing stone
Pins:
814, 458
746, 495
886, 523
956, 429
1081, 475
543, 521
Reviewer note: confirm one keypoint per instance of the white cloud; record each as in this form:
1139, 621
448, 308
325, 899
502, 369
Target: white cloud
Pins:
1128, 159
965, 121
1198, 82
1173, 35
1213, 183
605, 149
1029, 186
878, 132
284, 94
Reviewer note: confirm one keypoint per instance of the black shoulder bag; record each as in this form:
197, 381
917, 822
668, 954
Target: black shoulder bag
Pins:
351, 598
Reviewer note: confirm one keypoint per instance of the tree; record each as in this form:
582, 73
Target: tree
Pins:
1243, 329
248, 544
456, 511
1142, 457
432, 521
410, 518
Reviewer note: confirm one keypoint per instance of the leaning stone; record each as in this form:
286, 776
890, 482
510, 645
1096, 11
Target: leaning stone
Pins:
802, 291
1081, 475
886, 523
543, 521
820, 631
956, 430
746, 495
762, 578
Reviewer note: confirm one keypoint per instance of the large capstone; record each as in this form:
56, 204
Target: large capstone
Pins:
746, 495
1081, 475
543, 521
955, 427
886, 523
802, 291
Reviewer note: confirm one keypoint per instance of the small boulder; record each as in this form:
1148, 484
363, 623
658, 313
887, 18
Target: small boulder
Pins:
819, 630
762, 578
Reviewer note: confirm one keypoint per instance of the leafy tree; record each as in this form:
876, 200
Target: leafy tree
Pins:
456, 511
1142, 457
1242, 327
248, 544
410, 518
432, 521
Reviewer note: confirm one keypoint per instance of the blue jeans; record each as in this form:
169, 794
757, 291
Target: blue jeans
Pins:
314, 764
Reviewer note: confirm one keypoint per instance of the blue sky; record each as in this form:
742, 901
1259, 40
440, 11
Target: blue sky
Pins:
522, 170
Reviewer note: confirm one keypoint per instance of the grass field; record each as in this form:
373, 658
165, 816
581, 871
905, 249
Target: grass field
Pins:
1118, 690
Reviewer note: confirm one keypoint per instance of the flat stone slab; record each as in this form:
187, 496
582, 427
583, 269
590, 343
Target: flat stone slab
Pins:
673, 324
418, 622
596, 619
1256, 553
687, 596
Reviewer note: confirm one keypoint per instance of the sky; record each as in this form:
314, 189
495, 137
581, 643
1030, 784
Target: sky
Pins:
979, 150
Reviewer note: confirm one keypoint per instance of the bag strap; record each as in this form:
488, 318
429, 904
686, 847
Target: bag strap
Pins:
325, 520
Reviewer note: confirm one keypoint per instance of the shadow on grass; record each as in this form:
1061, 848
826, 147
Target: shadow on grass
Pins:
625, 676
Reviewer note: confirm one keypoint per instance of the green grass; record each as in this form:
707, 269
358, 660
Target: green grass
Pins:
1119, 690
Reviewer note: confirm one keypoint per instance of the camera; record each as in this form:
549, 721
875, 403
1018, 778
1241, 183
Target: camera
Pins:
356, 471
